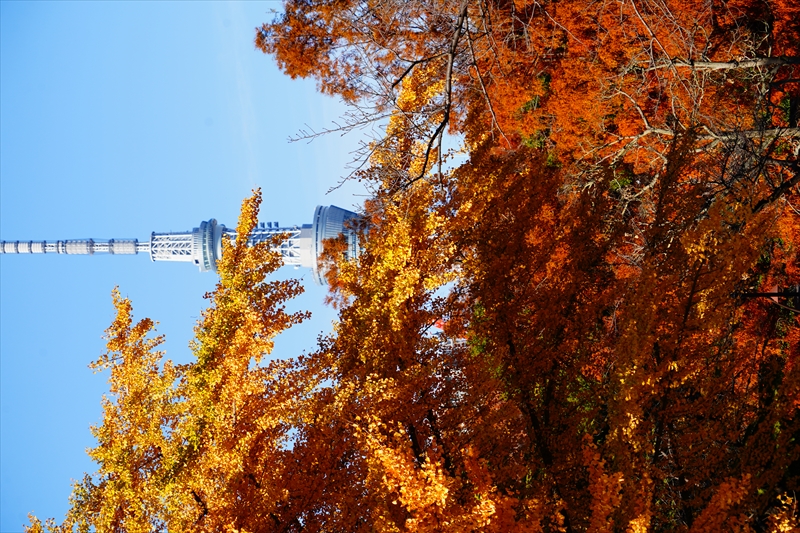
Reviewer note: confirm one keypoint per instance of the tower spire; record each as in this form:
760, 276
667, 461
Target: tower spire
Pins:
75, 247
202, 245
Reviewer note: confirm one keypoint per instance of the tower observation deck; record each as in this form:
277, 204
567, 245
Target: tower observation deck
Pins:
202, 246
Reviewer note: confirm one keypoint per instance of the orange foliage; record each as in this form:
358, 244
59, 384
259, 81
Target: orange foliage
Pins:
630, 183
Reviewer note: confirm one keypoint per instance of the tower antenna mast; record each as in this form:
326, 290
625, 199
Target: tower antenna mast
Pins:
202, 245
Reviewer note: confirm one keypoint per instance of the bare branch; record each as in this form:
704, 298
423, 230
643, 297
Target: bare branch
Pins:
658, 42
411, 67
448, 91
779, 191
727, 65
483, 88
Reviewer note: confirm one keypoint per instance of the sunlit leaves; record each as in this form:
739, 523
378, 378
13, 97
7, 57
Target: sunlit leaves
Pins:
556, 334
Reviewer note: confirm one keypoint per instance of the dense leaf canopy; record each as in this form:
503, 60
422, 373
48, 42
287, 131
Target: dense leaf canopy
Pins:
564, 331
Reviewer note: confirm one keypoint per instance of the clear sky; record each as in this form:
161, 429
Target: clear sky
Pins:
118, 119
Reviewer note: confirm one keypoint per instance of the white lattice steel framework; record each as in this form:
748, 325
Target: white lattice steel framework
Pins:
202, 246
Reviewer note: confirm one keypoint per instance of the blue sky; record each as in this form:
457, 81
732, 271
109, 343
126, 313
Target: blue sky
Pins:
118, 119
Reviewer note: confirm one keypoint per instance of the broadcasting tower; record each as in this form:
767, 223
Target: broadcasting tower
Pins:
203, 246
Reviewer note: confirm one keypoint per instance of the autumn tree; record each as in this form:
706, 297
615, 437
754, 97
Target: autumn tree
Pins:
628, 354
629, 172
553, 334
577, 386
585, 83
170, 451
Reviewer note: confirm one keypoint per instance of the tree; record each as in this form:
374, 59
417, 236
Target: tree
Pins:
586, 83
636, 370
629, 172
170, 450
601, 308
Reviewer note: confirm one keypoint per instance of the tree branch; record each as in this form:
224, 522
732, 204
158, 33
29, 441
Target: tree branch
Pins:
727, 65
483, 88
780, 191
411, 67
448, 92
